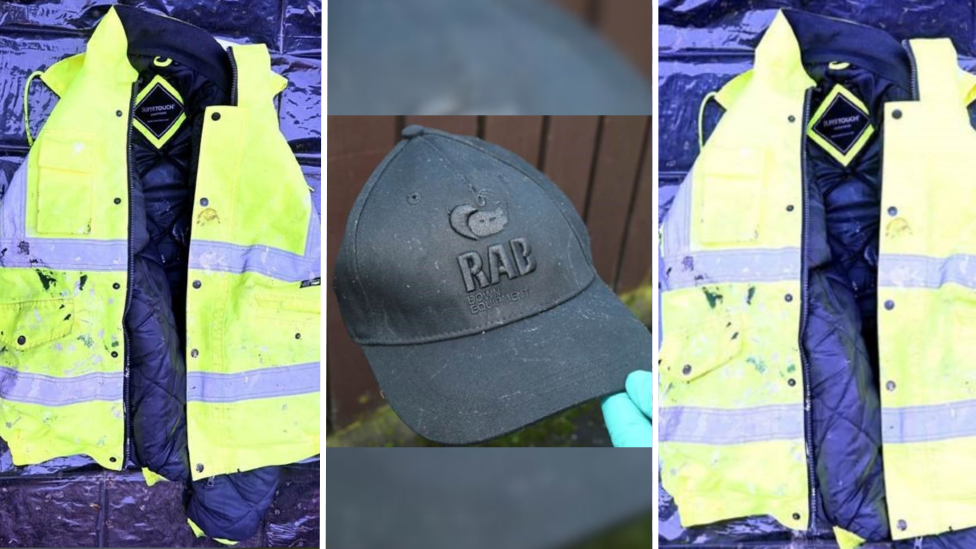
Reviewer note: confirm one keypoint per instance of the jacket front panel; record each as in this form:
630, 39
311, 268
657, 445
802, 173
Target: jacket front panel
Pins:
927, 302
64, 258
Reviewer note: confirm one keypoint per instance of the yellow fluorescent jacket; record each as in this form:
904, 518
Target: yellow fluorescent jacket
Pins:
732, 433
252, 329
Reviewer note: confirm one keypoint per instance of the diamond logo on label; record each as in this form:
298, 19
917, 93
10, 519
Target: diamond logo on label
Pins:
158, 112
841, 126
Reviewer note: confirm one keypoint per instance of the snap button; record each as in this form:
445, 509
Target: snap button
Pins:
890, 386
199, 467
21, 340
115, 354
788, 297
686, 370
896, 114
215, 116
792, 382
902, 525
298, 336
412, 130
194, 353
197, 284
796, 516
118, 113
117, 201
116, 285
112, 459
792, 119
889, 304
204, 202
892, 211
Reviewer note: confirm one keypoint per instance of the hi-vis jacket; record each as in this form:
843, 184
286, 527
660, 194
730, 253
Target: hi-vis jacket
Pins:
819, 297
159, 267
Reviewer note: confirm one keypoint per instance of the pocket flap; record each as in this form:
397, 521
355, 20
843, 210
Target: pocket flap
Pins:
688, 354
28, 324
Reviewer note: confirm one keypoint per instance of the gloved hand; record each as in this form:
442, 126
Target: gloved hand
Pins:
628, 415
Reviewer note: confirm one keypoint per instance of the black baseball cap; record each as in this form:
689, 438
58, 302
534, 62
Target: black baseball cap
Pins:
466, 276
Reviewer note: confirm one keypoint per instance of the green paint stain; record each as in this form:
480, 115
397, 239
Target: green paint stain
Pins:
758, 364
87, 340
791, 368
713, 297
750, 295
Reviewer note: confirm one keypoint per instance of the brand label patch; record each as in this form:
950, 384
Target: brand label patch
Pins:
312, 282
158, 111
841, 126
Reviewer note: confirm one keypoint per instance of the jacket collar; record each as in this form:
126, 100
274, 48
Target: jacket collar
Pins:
796, 37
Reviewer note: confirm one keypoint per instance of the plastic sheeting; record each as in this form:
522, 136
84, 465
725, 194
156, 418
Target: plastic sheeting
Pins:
705, 43
71, 502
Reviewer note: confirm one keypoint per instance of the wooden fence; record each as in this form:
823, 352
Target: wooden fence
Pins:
602, 163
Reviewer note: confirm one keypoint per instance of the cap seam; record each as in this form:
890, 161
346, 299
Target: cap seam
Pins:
472, 331
526, 174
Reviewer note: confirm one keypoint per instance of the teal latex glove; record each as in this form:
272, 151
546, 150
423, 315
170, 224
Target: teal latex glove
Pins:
628, 415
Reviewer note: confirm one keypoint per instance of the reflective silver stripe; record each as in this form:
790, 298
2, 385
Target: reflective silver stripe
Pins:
16, 386
728, 266
736, 426
929, 423
64, 254
274, 381
13, 205
917, 271
231, 258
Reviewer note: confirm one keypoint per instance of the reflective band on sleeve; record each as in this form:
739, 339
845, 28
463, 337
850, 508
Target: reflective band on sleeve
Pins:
65, 254
271, 262
929, 423
916, 271
276, 381
16, 386
726, 426
729, 266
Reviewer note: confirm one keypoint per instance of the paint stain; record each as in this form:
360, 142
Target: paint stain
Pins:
898, 227
791, 368
23, 248
758, 364
712, 296
115, 344
68, 317
735, 336
87, 340
47, 280
750, 295
207, 217
81, 282
688, 263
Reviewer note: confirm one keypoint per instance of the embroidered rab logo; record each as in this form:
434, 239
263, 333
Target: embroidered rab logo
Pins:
474, 223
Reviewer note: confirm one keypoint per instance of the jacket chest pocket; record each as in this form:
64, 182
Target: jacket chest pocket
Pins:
29, 324
732, 181
286, 324
64, 184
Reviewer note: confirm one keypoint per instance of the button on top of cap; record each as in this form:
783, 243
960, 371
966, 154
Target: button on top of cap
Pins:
412, 130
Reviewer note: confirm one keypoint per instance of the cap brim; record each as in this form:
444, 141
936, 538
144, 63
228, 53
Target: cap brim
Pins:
475, 388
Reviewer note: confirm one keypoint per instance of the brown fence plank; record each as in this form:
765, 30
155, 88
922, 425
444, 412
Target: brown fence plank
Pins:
357, 145
520, 134
617, 164
635, 265
583, 9
464, 125
569, 147
629, 26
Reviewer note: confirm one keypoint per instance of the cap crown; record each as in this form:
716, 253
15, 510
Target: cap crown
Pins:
453, 236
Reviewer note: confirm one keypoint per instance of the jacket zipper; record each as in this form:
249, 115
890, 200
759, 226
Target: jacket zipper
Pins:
804, 311
913, 73
233, 82
126, 389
